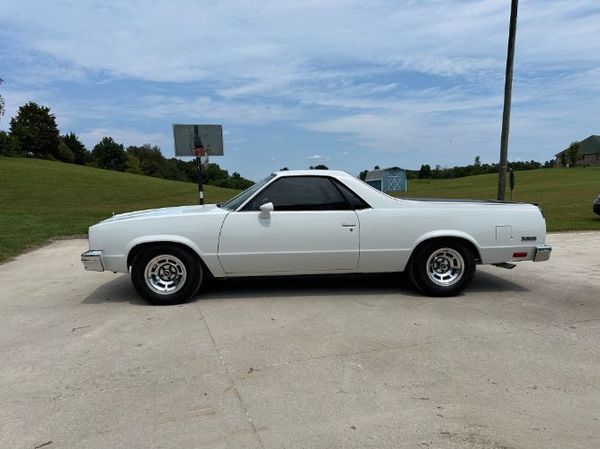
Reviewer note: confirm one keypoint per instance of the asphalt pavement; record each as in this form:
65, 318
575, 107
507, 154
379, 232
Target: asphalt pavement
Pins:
337, 362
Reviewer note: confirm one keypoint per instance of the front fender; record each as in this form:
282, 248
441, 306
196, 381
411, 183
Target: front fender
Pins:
209, 258
167, 238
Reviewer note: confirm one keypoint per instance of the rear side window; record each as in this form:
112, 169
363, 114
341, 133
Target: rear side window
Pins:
300, 193
352, 198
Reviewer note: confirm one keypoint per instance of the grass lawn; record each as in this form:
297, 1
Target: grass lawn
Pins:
43, 199
566, 195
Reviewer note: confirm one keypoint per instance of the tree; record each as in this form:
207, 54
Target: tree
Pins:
34, 130
80, 152
63, 153
363, 175
151, 160
319, 167
376, 167
549, 164
110, 155
425, 172
573, 153
133, 164
284, 169
5, 148
1, 101
563, 158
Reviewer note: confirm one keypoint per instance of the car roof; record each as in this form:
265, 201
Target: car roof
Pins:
334, 173
371, 195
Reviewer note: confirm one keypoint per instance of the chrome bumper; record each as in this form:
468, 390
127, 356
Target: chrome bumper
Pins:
92, 260
542, 253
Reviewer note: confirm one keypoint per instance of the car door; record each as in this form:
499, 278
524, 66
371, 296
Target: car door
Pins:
312, 229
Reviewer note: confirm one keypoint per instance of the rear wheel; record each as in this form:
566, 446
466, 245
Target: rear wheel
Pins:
165, 274
442, 267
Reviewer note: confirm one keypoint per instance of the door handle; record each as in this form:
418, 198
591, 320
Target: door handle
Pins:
348, 225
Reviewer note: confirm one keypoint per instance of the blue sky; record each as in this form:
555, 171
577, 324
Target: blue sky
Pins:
347, 83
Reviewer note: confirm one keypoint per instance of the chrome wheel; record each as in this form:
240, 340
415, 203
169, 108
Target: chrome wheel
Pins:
165, 274
445, 267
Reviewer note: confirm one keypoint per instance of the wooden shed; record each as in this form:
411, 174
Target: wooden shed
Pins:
388, 180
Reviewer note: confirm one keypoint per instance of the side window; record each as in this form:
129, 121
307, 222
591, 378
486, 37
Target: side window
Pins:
353, 199
300, 193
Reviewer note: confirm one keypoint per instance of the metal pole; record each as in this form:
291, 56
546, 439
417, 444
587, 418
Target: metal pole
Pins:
510, 54
200, 186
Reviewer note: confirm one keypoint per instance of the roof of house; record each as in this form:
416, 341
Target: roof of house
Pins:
590, 145
375, 175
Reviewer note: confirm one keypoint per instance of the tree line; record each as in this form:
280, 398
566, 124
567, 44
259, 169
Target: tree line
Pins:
34, 133
477, 168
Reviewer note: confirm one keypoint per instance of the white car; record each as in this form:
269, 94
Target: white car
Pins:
314, 222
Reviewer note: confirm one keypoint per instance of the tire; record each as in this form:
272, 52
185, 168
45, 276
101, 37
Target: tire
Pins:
442, 267
166, 274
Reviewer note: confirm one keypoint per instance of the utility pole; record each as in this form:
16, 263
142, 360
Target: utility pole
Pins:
510, 55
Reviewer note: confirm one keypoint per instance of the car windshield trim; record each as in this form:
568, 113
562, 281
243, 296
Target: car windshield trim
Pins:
241, 198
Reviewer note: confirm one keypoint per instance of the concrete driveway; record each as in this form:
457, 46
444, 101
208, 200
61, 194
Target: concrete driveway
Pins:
302, 363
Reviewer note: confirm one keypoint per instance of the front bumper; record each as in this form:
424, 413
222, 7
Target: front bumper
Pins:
542, 253
92, 260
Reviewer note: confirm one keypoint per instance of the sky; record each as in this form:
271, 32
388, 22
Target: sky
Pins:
346, 83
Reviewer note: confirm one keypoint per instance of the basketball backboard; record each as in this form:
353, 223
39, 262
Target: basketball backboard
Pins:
190, 137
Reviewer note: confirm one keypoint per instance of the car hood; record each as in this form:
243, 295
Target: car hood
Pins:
165, 212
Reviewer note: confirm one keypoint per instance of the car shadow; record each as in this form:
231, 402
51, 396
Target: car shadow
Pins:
488, 282
121, 290
332, 285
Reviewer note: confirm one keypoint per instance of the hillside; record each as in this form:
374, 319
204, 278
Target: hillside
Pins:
41, 199
566, 195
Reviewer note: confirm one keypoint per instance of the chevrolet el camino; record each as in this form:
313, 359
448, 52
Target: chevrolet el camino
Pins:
314, 222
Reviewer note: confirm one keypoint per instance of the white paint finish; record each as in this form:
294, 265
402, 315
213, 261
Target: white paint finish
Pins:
388, 236
303, 242
289, 242
194, 226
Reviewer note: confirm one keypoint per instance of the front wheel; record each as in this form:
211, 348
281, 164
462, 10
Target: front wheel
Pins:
166, 275
442, 268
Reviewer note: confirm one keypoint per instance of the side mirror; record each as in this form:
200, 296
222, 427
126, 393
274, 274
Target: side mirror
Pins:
266, 209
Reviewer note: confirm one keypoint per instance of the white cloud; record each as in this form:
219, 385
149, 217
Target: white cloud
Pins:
401, 77
254, 48
318, 157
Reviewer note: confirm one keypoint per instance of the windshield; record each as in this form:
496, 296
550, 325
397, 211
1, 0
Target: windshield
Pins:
241, 198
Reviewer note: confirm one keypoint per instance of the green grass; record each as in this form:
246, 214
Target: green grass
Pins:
566, 195
43, 199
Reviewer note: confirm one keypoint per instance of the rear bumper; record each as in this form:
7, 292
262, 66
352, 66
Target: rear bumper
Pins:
542, 253
92, 260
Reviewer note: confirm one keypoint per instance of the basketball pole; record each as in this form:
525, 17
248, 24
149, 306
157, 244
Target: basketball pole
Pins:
200, 186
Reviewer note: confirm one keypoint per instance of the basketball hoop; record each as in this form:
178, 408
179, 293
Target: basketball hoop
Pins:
198, 141
202, 155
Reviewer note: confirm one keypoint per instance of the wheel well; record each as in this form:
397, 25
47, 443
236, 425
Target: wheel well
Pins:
139, 248
468, 243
